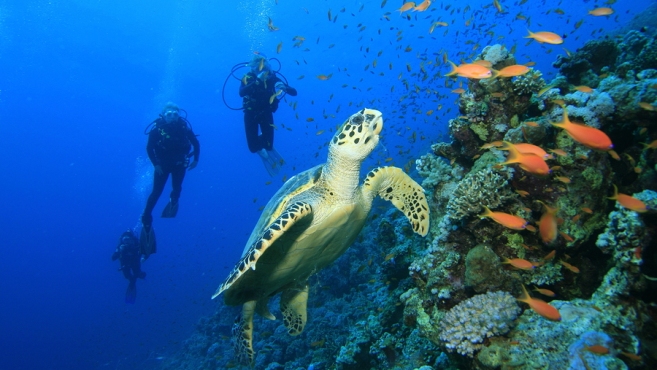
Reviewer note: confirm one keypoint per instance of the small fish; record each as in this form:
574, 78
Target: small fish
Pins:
274, 95
279, 47
309, 119
569, 266
319, 132
505, 219
614, 155
318, 343
531, 124
512, 71
389, 257
646, 106
460, 90
587, 210
522, 193
540, 307
568, 238
601, 11
528, 162
563, 179
547, 225
545, 37
519, 263
588, 136
422, 6
550, 256
406, 7
598, 349
474, 71
324, 77
628, 201
652, 145
545, 292
584, 89
631, 356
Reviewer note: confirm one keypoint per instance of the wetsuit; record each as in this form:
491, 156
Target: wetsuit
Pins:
168, 147
258, 112
127, 252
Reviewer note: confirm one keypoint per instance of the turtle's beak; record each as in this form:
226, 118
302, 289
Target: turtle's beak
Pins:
375, 119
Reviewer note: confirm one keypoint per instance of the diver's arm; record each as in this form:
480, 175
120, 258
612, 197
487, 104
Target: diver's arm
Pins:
194, 141
280, 85
250, 86
150, 147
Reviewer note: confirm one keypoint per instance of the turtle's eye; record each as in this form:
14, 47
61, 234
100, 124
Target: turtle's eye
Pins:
358, 120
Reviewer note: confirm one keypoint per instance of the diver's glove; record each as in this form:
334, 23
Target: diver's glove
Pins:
280, 86
192, 165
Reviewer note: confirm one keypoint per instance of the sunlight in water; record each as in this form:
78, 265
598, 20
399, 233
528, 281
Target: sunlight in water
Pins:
143, 179
256, 14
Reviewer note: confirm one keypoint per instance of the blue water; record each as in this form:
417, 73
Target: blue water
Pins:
79, 82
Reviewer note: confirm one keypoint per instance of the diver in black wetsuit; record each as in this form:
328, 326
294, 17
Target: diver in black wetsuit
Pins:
127, 252
260, 90
169, 143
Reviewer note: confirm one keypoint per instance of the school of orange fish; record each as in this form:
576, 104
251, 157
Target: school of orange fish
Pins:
530, 158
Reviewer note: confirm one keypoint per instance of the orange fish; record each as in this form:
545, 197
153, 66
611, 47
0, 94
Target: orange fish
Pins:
569, 266
505, 219
628, 202
584, 89
519, 263
545, 37
587, 210
522, 193
598, 349
545, 292
528, 162
550, 256
563, 179
647, 106
652, 145
475, 71
531, 124
422, 6
512, 71
539, 306
324, 77
547, 226
601, 11
406, 7
559, 152
526, 148
585, 135
484, 63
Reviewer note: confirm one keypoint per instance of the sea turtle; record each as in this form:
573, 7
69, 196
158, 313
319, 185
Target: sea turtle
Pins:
309, 223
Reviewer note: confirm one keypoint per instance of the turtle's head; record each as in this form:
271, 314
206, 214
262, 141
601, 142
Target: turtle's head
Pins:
358, 135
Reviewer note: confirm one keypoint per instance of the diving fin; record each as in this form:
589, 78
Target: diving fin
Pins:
270, 164
275, 157
131, 293
171, 210
147, 243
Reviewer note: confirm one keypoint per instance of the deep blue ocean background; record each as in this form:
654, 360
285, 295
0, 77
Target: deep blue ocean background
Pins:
79, 82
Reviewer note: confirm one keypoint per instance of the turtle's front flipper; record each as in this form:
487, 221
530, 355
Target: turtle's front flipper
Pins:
293, 307
243, 334
292, 214
391, 183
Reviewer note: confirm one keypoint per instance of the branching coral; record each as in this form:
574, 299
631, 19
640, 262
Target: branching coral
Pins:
466, 325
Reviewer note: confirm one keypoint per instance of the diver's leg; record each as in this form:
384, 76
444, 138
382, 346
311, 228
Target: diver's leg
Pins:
177, 177
266, 122
251, 130
159, 180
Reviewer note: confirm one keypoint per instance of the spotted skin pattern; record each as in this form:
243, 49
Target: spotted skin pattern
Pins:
310, 222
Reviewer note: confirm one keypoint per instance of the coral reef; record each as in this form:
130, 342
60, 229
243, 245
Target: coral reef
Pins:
397, 301
466, 325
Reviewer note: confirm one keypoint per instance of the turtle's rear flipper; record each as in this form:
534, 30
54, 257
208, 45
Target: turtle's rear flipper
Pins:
147, 243
393, 184
131, 293
243, 334
293, 307
171, 210
269, 162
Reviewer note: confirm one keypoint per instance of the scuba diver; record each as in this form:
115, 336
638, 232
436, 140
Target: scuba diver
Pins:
261, 90
127, 252
170, 140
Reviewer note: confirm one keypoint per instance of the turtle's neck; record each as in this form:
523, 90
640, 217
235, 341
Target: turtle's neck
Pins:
342, 175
